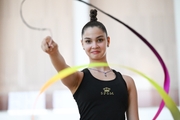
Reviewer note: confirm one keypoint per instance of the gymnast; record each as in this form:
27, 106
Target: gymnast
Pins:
101, 93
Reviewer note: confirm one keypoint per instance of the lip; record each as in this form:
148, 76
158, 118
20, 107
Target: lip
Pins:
95, 52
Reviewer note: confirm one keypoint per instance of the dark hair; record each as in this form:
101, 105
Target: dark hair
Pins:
93, 22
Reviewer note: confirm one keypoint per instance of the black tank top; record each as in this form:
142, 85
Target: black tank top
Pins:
102, 100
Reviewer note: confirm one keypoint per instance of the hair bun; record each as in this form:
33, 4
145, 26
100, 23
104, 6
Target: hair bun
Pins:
93, 14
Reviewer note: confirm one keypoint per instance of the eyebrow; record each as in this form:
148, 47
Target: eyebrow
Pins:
100, 36
87, 38
96, 37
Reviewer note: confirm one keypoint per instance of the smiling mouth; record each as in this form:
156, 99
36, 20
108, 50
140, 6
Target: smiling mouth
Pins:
95, 52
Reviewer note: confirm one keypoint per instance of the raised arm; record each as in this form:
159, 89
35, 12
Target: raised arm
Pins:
132, 112
50, 47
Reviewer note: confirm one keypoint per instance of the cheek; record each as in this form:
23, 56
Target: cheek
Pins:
86, 47
103, 45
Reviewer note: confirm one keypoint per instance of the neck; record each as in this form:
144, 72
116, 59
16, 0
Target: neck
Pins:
100, 60
103, 60
101, 68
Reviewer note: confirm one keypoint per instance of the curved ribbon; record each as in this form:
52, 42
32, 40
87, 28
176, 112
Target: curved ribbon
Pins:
170, 104
68, 71
29, 26
165, 70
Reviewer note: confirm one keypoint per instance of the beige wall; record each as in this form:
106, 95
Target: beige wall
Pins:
24, 66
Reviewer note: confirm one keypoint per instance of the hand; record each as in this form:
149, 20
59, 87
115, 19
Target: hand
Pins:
49, 46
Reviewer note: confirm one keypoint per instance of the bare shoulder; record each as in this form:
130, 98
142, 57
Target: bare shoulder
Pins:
79, 78
73, 81
129, 81
132, 111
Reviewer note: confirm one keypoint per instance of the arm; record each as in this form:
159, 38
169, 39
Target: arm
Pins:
132, 112
50, 47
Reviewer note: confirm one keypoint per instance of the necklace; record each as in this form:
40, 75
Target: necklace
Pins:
105, 73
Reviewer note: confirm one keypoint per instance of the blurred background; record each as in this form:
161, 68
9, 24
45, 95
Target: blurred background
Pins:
24, 67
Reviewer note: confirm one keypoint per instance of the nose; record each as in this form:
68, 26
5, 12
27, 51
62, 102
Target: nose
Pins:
95, 45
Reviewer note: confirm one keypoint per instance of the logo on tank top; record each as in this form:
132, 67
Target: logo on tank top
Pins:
107, 91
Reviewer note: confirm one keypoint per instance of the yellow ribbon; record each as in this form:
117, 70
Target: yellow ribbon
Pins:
170, 104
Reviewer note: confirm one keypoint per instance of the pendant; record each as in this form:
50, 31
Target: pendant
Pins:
105, 75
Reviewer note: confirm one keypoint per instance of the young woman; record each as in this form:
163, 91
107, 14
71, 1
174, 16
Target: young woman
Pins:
101, 93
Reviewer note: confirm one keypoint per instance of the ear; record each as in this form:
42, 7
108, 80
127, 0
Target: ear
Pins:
108, 41
82, 44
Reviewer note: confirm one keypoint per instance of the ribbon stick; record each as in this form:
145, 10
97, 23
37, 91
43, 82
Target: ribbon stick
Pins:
29, 26
165, 70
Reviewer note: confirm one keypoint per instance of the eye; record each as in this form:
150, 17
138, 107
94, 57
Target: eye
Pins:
88, 41
100, 40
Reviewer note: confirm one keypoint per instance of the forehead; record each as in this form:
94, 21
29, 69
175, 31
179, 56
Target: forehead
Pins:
93, 32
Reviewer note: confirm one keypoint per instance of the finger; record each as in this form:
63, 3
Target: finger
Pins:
46, 42
43, 45
46, 47
50, 41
